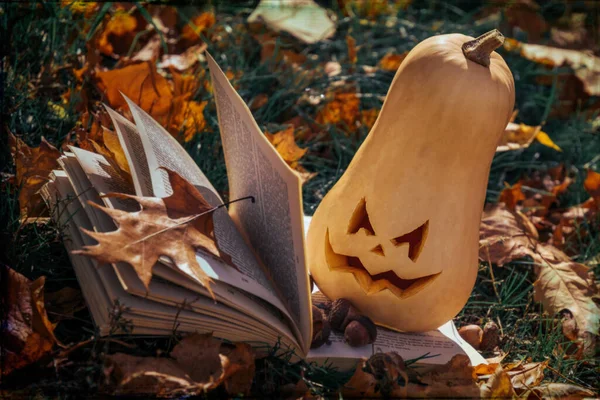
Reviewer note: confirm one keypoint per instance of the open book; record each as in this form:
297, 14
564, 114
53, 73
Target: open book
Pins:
265, 300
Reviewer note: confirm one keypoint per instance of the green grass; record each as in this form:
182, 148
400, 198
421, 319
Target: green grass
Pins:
43, 37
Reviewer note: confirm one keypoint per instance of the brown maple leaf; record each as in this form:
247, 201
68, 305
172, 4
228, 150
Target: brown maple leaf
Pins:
174, 227
33, 164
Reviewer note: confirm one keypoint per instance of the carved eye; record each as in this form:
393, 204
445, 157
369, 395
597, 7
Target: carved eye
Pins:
360, 219
415, 240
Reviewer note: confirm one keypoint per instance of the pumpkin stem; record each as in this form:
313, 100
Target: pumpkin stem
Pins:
479, 50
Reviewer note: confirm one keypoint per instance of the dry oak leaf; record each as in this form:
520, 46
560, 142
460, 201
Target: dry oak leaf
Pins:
585, 64
455, 379
564, 284
558, 391
170, 227
498, 385
527, 375
33, 164
161, 377
27, 334
377, 376
505, 236
201, 363
185, 60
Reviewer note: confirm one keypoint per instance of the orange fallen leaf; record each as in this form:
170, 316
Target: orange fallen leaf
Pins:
33, 164
368, 117
27, 334
286, 146
118, 33
391, 61
343, 110
258, 101
188, 118
592, 185
351, 44
174, 227
197, 25
141, 83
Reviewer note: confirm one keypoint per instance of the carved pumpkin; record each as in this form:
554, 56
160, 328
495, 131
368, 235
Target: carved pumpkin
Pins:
398, 234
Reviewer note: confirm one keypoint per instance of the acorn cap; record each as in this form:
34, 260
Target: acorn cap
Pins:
338, 313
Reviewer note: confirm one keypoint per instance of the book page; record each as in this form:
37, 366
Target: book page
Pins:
439, 346
206, 314
273, 225
132, 146
98, 171
162, 150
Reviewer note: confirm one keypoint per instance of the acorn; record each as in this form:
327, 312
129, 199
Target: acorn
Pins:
321, 328
472, 335
490, 337
341, 314
360, 331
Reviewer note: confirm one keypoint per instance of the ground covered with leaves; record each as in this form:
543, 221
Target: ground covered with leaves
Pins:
534, 310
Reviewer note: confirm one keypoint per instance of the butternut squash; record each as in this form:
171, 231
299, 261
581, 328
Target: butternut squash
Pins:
398, 234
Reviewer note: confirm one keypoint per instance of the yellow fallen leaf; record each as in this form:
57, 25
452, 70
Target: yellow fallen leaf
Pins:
543, 138
520, 136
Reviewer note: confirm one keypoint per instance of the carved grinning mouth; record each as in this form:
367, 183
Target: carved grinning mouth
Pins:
372, 284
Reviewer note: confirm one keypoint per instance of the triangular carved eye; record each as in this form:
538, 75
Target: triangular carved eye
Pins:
360, 219
415, 240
